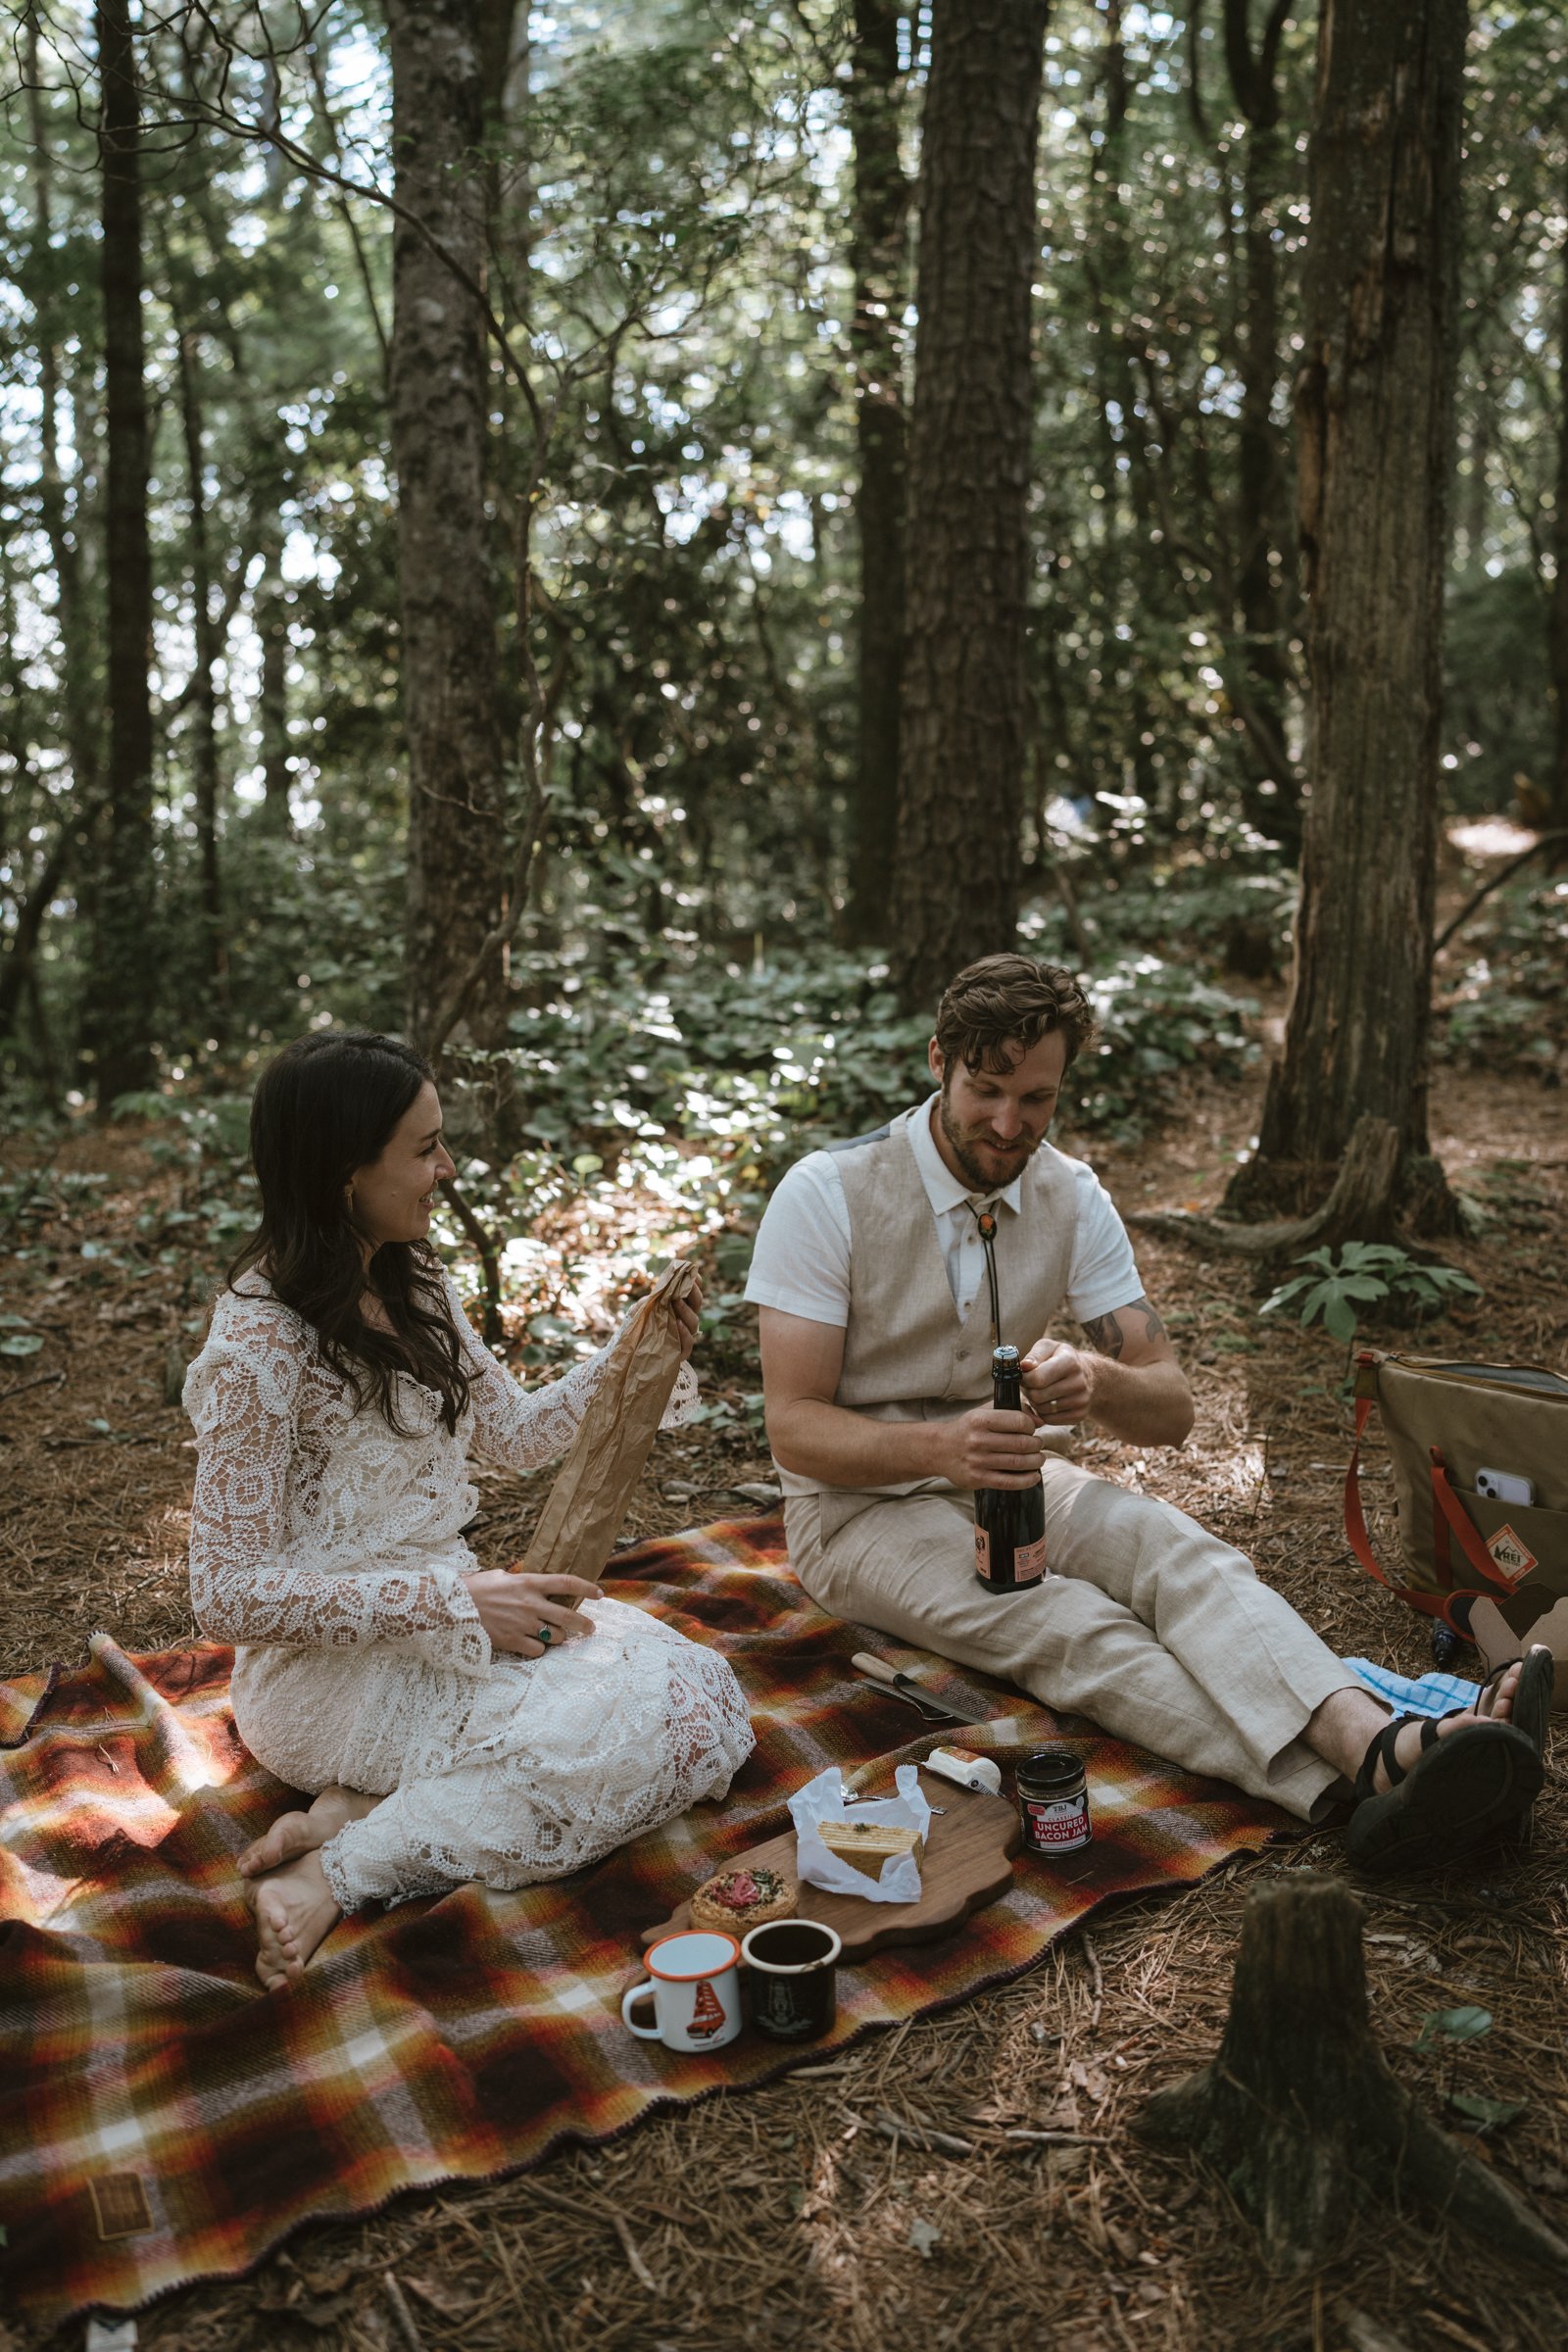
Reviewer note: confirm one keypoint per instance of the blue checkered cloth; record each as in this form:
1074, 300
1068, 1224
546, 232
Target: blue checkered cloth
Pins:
1415, 1694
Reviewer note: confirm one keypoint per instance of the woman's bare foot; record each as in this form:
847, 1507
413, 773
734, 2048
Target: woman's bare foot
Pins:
296, 1833
295, 1909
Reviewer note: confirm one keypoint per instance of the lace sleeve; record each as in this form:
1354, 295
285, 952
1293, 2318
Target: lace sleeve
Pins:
243, 1394
524, 1430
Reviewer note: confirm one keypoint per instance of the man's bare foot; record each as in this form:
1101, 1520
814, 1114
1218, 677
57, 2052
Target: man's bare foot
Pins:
295, 1908
1494, 1705
296, 1833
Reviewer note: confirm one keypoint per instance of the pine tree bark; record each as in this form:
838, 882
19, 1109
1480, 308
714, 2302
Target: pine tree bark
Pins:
879, 264
271, 626
120, 1007
1374, 415
1557, 621
439, 420
1272, 789
964, 706
204, 700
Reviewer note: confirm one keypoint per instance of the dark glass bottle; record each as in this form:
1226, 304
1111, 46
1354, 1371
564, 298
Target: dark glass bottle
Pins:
1010, 1522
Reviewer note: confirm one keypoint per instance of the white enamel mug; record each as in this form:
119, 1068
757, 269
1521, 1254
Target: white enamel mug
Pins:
696, 1991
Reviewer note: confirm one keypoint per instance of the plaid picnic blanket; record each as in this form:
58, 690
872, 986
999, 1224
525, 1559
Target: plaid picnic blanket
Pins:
163, 2120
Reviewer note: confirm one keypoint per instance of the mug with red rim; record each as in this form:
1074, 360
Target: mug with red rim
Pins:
694, 1990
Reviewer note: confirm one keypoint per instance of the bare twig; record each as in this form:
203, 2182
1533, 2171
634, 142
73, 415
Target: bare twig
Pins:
1542, 840
39, 1380
406, 2325
633, 2253
923, 2136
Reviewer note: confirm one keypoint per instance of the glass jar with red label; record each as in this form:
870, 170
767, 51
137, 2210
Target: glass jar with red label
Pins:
1053, 1801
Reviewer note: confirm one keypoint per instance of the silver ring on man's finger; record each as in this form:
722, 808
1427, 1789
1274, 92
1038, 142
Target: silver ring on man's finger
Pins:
546, 1635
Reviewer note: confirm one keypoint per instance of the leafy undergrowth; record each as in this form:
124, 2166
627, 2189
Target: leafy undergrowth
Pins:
1504, 1006
775, 2218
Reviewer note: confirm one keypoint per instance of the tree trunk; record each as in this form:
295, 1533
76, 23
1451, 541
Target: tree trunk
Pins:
271, 626
204, 702
80, 694
438, 408
1124, 466
1374, 412
1298, 2113
879, 262
120, 1013
1557, 624
965, 684
1272, 790
17, 965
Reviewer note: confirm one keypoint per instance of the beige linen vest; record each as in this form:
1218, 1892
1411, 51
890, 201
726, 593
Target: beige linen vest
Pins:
907, 1354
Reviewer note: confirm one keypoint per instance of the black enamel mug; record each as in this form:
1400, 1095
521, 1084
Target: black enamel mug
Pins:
791, 1967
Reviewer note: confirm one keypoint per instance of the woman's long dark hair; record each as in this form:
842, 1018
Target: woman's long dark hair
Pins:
324, 1107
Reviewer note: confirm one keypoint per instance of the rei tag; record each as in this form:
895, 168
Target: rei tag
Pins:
1514, 1559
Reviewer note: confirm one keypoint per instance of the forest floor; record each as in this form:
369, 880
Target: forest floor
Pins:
761, 2219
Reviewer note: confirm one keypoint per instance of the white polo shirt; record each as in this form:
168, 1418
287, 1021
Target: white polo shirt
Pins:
800, 1264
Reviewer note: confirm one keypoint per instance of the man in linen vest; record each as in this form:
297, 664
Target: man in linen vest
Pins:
876, 1314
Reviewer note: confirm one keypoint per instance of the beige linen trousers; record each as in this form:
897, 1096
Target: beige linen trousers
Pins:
1146, 1623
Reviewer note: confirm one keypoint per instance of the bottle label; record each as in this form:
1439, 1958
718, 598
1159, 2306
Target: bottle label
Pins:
1029, 1561
1057, 1825
982, 1552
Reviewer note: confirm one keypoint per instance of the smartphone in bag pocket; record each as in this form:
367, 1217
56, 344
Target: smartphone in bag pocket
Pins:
1505, 1486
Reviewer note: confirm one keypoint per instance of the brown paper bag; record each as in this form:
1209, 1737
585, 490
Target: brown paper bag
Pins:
593, 1486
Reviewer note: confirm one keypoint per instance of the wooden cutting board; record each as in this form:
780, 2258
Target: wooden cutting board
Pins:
969, 1863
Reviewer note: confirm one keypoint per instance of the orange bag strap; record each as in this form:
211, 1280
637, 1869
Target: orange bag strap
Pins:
1447, 1512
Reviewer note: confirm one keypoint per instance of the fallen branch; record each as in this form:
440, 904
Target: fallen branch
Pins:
1299, 2114
1359, 1208
1542, 840
922, 2136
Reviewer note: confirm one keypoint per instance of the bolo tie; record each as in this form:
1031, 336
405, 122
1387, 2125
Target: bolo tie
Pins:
985, 1220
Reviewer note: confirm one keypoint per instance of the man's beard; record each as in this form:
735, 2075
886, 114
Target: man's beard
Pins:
980, 1180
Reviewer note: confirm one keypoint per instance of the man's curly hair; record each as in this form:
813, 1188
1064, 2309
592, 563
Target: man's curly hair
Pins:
999, 1008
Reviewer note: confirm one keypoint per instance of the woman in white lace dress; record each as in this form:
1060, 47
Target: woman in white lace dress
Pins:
457, 1723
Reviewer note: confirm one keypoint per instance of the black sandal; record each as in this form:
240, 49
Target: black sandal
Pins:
1450, 1800
1532, 1696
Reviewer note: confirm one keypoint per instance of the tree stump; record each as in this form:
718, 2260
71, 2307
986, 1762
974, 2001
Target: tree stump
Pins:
1359, 1207
1299, 2114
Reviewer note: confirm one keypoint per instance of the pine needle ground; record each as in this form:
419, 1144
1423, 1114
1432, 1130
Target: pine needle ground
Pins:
824, 2211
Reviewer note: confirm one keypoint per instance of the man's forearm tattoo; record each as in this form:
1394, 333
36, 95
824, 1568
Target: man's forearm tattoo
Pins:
1106, 1337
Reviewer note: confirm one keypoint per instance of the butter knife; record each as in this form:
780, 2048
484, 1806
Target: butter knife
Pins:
906, 1687
927, 1708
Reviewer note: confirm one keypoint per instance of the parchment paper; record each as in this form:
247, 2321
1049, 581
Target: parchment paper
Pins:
822, 1799
588, 1501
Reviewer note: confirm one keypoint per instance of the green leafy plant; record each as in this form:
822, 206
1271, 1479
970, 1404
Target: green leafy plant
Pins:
1452, 2030
1343, 1284
15, 1338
